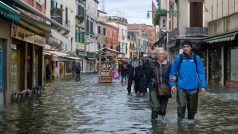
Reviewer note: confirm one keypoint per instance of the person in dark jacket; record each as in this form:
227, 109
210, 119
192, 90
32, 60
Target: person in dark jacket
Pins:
146, 69
48, 70
189, 69
134, 68
77, 70
123, 71
158, 74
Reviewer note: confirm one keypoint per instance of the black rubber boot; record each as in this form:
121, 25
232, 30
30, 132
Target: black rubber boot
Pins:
154, 115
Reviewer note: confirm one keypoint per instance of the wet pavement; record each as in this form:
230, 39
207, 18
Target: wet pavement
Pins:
90, 107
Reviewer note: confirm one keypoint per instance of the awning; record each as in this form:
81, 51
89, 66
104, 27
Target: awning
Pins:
9, 13
53, 42
62, 55
23, 5
74, 58
41, 28
221, 38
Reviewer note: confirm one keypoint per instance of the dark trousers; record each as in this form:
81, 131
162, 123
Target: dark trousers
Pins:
163, 105
187, 99
158, 105
123, 76
142, 84
77, 76
136, 86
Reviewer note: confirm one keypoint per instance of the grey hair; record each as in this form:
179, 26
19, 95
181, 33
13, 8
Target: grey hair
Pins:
158, 50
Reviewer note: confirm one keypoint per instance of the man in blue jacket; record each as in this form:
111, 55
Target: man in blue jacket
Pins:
187, 69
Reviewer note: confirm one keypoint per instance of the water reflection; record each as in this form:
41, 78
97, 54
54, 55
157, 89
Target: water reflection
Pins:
90, 107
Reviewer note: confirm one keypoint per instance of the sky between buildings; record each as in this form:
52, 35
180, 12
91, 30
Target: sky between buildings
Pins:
134, 10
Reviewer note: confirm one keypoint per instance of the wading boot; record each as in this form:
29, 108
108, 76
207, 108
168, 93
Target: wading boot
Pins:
154, 116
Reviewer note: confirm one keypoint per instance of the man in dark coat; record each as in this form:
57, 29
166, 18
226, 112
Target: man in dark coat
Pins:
134, 68
77, 69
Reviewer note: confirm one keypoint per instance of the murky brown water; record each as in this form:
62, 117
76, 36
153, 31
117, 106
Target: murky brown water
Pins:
89, 107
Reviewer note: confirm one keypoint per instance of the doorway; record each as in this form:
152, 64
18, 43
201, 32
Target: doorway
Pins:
1, 73
30, 66
1, 66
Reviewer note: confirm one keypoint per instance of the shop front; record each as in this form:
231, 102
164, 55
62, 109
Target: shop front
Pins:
8, 16
26, 59
223, 59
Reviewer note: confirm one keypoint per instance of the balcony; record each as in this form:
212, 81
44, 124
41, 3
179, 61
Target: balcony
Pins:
91, 54
80, 17
196, 31
56, 14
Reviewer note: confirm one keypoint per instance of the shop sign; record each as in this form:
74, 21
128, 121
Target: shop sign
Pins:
27, 36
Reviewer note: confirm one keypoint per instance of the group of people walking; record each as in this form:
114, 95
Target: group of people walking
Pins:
163, 78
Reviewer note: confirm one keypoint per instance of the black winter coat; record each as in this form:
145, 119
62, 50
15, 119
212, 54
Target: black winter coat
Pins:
154, 74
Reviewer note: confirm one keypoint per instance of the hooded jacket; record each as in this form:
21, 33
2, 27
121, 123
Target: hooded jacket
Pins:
189, 73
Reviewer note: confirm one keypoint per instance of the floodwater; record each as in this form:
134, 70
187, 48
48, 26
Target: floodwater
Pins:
90, 107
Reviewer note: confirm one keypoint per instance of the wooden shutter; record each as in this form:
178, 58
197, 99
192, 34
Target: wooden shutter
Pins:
196, 14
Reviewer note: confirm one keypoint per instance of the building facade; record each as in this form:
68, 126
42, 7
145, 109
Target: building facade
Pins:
190, 25
5, 47
23, 57
222, 42
111, 37
80, 25
139, 30
131, 37
61, 42
91, 35
121, 24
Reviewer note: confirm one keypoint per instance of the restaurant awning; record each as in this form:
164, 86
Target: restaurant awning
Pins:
221, 38
9, 13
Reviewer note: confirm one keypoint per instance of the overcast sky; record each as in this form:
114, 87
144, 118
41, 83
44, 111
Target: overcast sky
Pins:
134, 10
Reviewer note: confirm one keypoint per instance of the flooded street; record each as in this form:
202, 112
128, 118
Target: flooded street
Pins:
90, 107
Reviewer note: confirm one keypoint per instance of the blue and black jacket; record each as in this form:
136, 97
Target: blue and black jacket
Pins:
187, 72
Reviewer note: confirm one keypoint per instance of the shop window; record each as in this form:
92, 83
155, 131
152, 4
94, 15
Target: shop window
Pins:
215, 65
234, 65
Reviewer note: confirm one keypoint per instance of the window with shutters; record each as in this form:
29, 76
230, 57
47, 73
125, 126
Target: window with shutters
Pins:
196, 14
99, 30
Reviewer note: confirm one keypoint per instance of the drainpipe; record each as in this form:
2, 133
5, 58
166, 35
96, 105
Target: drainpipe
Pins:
33, 10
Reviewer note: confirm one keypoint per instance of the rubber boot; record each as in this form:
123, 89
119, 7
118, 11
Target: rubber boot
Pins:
154, 115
